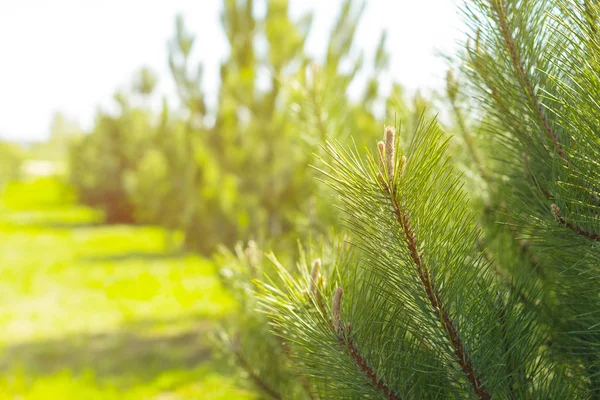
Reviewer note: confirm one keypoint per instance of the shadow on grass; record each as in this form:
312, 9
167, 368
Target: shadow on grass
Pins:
138, 353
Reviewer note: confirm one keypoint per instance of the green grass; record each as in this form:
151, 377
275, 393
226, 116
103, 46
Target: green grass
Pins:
102, 312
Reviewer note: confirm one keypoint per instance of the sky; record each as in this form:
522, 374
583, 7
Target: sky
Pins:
73, 55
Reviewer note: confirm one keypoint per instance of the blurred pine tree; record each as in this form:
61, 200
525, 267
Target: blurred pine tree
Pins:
241, 170
101, 161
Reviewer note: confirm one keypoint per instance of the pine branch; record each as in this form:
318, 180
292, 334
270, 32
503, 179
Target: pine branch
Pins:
262, 362
438, 283
493, 91
577, 229
435, 300
498, 7
348, 344
353, 352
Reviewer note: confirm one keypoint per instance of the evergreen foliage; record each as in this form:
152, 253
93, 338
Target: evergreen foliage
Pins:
532, 67
483, 285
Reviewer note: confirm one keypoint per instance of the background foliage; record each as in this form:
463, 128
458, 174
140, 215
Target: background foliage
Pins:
241, 170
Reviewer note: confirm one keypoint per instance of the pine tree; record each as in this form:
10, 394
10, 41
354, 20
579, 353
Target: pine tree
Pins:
533, 67
446, 289
102, 161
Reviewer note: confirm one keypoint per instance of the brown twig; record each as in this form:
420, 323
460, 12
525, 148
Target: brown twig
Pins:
435, 300
345, 341
433, 295
367, 370
577, 229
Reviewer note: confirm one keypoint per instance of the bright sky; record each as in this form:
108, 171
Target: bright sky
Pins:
72, 55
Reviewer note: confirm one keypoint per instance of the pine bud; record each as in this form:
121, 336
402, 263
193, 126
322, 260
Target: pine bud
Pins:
390, 137
314, 277
381, 152
338, 324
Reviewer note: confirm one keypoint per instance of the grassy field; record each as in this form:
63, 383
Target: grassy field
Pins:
102, 312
